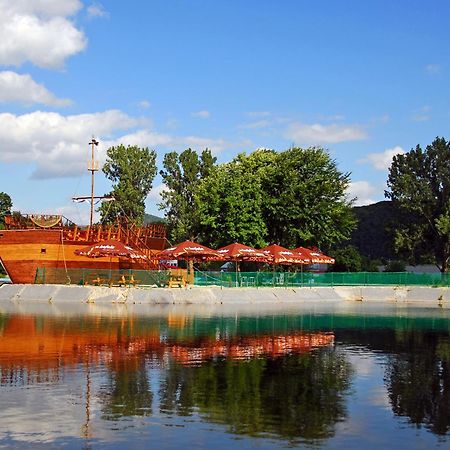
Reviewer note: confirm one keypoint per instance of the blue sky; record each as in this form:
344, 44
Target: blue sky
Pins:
364, 80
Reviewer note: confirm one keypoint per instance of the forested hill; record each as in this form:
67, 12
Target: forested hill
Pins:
150, 218
371, 237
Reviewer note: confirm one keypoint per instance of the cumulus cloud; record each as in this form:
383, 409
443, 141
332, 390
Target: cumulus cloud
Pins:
201, 114
382, 160
323, 134
39, 31
57, 145
363, 191
23, 89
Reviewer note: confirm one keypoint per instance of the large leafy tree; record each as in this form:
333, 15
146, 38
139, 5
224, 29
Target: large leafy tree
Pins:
296, 197
229, 202
306, 199
132, 170
5, 207
419, 184
181, 176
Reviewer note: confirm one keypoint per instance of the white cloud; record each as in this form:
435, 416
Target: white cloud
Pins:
44, 8
382, 160
142, 138
155, 193
323, 134
56, 145
201, 114
97, 10
363, 191
39, 31
23, 89
433, 69
200, 143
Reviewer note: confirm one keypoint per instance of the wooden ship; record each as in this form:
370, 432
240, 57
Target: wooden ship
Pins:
32, 243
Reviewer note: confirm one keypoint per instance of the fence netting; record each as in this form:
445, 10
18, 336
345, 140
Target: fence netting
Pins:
310, 279
160, 278
155, 278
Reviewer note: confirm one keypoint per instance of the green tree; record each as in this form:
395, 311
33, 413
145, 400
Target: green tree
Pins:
5, 207
419, 184
181, 175
132, 170
296, 197
347, 259
230, 202
306, 199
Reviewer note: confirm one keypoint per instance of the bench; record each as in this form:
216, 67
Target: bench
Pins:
176, 281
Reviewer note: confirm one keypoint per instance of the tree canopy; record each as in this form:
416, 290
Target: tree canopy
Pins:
296, 197
419, 184
132, 170
181, 175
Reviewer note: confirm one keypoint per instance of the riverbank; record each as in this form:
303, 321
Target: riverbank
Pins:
421, 296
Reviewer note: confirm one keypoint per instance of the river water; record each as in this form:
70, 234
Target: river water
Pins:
316, 376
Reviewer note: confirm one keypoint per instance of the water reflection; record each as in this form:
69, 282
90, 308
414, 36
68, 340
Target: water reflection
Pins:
287, 377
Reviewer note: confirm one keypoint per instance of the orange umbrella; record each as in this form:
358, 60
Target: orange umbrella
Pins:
241, 252
110, 248
316, 256
189, 250
283, 255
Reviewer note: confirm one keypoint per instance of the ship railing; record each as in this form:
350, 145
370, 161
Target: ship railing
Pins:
18, 220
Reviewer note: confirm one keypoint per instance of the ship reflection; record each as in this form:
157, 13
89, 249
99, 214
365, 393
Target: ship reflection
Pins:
40, 346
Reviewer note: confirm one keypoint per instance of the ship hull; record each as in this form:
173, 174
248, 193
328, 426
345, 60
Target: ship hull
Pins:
22, 252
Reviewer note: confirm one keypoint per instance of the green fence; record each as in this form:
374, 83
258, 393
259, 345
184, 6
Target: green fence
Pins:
102, 277
240, 279
309, 279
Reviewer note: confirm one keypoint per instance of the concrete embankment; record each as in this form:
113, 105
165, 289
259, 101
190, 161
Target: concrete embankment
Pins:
423, 296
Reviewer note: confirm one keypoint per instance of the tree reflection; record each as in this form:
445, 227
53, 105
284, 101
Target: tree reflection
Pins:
418, 380
128, 391
296, 397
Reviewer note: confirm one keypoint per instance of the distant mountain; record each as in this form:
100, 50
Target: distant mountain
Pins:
373, 237
150, 218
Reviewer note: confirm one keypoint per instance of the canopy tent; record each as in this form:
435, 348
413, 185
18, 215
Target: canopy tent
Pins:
111, 248
282, 255
189, 250
316, 256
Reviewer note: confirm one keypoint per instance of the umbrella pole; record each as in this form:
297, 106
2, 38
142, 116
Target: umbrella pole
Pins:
236, 268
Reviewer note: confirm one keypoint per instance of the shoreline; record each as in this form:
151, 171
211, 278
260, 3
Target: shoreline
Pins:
436, 297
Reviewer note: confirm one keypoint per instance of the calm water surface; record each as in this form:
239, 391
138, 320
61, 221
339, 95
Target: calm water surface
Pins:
341, 377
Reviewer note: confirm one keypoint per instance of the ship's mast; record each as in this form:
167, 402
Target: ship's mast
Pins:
92, 167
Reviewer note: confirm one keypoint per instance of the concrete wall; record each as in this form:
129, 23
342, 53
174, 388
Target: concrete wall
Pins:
423, 296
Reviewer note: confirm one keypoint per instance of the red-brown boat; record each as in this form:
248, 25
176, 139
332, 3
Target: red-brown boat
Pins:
46, 242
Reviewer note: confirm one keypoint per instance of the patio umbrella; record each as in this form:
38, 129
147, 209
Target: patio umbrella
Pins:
241, 252
110, 248
189, 250
316, 256
282, 255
